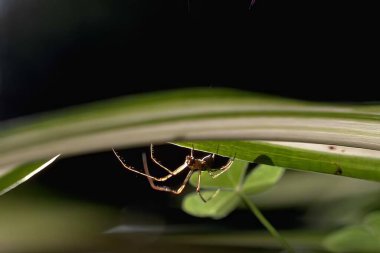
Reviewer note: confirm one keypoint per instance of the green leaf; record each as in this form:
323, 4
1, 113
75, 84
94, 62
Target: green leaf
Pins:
344, 139
330, 159
229, 185
21, 174
262, 178
220, 206
364, 238
235, 190
225, 200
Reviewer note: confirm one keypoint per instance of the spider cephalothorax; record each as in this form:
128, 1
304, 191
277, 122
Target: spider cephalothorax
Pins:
199, 164
191, 163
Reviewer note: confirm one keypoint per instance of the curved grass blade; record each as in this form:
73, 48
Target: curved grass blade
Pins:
190, 114
21, 174
330, 159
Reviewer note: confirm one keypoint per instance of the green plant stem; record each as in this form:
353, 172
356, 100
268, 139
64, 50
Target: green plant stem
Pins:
266, 223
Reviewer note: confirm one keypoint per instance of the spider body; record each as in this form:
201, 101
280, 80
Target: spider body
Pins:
191, 163
203, 164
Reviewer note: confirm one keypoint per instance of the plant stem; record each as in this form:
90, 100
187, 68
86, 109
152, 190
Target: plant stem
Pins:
266, 223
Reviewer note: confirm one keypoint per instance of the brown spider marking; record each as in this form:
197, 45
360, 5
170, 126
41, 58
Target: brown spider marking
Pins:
191, 163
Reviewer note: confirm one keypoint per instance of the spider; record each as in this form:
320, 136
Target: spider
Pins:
193, 164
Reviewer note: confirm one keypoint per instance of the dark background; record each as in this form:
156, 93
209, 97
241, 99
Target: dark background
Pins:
56, 53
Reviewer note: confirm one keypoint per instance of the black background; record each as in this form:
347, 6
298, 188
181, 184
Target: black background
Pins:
60, 53
57, 53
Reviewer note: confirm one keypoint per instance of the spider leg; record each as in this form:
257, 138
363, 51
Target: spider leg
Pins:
178, 170
222, 169
217, 150
199, 189
165, 188
156, 161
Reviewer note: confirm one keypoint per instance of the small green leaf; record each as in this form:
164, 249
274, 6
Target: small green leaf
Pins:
262, 178
226, 200
230, 186
233, 190
220, 206
364, 238
21, 174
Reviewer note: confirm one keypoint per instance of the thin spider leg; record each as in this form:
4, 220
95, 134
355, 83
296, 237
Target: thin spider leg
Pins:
157, 162
208, 157
175, 172
165, 188
222, 169
217, 150
213, 195
199, 189
199, 181
192, 150
178, 170
132, 168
